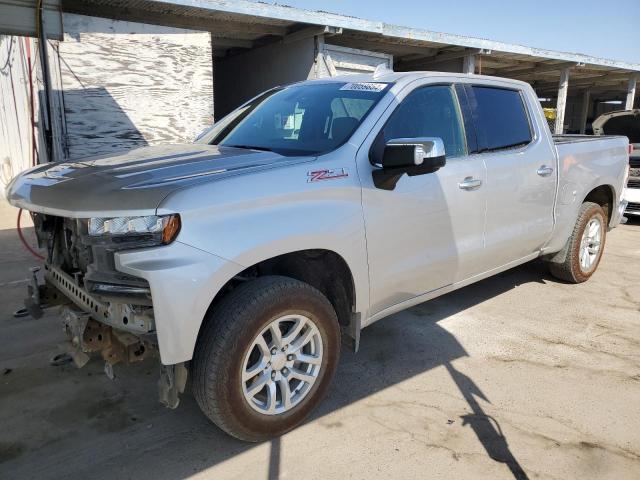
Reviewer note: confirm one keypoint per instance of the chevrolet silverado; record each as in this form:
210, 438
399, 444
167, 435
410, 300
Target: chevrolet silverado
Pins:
245, 259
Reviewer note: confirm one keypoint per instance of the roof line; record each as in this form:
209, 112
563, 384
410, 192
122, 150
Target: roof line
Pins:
293, 14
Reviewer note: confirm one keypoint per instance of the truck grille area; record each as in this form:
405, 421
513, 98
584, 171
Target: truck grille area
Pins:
82, 268
126, 317
633, 208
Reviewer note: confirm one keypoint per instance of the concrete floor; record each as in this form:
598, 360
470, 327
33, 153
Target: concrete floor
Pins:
517, 376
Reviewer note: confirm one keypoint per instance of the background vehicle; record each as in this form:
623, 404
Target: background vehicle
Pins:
626, 123
305, 215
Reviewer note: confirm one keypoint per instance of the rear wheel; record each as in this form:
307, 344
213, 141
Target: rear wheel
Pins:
266, 357
585, 246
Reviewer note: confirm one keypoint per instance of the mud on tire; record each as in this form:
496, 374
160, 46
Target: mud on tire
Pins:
571, 269
228, 339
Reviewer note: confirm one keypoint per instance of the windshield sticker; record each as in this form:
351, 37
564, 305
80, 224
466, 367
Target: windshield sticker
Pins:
364, 86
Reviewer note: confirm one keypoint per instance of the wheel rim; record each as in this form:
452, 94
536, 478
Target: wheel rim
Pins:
590, 244
282, 364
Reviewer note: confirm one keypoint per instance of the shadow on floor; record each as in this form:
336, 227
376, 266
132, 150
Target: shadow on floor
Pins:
89, 420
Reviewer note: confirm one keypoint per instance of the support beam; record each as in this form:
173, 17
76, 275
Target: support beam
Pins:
631, 92
613, 80
203, 22
563, 88
586, 99
469, 64
18, 17
311, 32
541, 68
224, 43
443, 57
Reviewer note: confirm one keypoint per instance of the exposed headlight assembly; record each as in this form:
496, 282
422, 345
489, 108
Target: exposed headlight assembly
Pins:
166, 226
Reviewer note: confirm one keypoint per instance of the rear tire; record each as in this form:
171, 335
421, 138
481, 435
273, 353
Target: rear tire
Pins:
584, 247
248, 381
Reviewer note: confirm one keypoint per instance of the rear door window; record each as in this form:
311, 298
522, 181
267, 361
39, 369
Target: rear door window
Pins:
500, 118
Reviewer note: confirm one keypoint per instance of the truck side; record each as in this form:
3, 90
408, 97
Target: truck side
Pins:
243, 263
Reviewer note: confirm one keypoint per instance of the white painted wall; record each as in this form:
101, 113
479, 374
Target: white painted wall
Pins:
16, 145
131, 84
338, 60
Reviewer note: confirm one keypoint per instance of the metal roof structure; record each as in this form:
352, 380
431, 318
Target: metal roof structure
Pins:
241, 24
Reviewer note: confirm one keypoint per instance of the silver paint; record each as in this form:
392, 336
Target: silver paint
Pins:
421, 240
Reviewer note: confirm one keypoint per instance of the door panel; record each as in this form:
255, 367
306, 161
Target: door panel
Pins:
519, 205
425, 234
521, 176
428, 232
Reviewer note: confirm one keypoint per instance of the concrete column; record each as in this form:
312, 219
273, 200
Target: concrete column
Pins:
563, 87
586, 99
631, 92
469, 64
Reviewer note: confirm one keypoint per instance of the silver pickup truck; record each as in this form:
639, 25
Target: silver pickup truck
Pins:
245, 260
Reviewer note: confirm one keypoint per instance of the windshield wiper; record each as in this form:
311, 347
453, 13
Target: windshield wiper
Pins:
250, 147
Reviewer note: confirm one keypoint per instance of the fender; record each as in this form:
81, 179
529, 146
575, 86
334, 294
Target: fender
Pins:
248, 219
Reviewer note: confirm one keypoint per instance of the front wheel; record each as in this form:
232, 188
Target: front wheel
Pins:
584, 247
266, 357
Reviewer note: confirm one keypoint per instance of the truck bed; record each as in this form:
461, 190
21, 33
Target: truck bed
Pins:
571, 138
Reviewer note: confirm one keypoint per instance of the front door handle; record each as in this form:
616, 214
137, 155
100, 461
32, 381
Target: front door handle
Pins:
545, 171
470, 183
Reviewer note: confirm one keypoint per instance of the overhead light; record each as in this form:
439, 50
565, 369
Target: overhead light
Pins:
612, 102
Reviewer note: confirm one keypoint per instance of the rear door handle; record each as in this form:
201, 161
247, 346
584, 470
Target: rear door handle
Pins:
545, 171
470, 183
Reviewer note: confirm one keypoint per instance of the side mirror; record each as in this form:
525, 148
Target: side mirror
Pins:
413, 156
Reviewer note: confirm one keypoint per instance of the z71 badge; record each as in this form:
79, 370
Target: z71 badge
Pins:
318, 175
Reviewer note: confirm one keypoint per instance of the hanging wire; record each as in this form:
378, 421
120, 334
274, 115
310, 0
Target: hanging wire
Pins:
7, 63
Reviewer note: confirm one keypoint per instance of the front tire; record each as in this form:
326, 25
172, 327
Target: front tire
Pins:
265, 357
584, 247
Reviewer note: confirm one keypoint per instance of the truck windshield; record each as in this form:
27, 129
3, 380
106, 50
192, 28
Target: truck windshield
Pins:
303, 119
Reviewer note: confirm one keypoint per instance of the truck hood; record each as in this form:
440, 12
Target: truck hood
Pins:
134, 182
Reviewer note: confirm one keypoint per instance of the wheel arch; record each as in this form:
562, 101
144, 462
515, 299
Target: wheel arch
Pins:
323, 269
604, 196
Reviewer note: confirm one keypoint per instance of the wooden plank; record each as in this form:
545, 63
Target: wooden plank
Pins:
130, 84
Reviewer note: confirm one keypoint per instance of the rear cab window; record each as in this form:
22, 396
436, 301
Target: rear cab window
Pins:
500, 117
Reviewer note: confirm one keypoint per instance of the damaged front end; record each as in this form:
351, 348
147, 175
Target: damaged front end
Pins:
104, 312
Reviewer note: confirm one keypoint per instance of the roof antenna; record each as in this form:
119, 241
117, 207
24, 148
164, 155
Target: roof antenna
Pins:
381, 70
